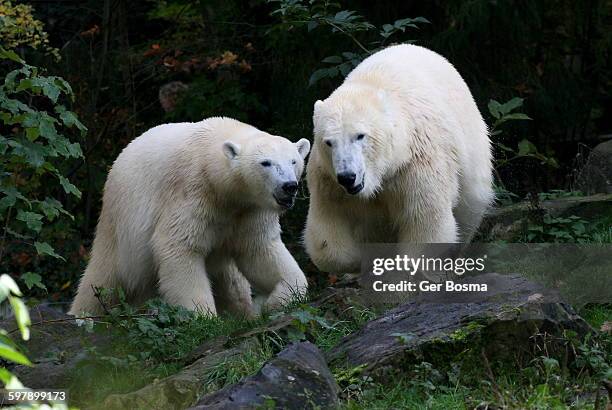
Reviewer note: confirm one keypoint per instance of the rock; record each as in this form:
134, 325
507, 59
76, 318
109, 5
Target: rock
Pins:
504, 322
596, 174
506, 223
297, 378
55, 348
184, 388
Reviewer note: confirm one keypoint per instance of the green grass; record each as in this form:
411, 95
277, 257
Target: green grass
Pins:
401, 395
597, 314
232, 370
151, 347
541, 384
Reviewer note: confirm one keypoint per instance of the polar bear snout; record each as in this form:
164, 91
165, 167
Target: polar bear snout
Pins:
290, 188
347, 180
285, 194
348, 163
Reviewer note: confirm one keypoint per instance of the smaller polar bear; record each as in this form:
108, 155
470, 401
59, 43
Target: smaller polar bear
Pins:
401, 154
192, 209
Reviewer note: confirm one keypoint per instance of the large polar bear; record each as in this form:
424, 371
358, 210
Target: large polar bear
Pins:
401, 154
193, 208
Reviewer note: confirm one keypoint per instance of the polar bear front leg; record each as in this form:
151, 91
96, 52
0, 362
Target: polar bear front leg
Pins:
231, 289
436, 226
271, 269
183, 281
329, 241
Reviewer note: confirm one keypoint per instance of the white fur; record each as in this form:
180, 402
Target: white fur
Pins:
182, 218
425, 159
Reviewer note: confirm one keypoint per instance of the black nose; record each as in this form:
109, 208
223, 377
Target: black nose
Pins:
346, 179
290, 187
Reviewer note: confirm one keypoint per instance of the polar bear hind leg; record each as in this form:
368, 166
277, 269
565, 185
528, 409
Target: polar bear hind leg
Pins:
474, 201
100, 274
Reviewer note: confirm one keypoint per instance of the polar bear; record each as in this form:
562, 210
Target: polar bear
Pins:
401, 154
192, 209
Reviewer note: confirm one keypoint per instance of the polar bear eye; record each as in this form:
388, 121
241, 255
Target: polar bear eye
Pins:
294, 162
265, 163
360, 137
328, 143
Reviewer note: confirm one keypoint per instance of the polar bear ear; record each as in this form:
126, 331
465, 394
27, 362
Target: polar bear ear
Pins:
318, 106
230, 149
303, 147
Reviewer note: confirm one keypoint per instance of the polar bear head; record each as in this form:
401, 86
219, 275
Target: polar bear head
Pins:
269, 168
354, 131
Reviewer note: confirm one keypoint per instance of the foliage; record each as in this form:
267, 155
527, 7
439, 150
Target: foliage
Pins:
542, 383
328, 14
593, 356
8, 349
503, 196
32, 145
571, 229
306, 320
503, 113
233, 369
19, 28
163, 333
352, 381
558, 193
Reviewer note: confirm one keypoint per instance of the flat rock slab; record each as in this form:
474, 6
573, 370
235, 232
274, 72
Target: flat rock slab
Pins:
297, 378
55, 347
505, 322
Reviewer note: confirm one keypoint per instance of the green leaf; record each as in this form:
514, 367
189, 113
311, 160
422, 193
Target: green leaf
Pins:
516, 116
51, 207
494, 109
317, 75
33, 153
51, 90
12, 194
511, 105
526, 147
69, 188
10, 55
32, 133
32, 220
70, 119
43, 248
9, 353
332, 60
25, 84
22, 316
32, 279
47, 127
387, 30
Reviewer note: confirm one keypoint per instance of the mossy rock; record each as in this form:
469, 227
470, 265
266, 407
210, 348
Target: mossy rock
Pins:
507, 223
502, 327
297, 378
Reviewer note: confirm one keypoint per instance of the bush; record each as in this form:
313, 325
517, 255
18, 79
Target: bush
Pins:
33, 142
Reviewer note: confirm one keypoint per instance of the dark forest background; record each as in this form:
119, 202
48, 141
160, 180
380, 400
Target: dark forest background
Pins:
136, 64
